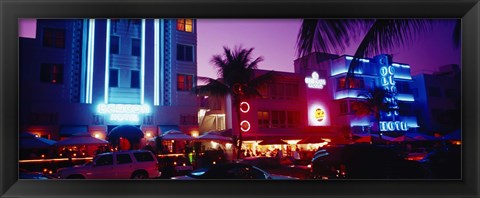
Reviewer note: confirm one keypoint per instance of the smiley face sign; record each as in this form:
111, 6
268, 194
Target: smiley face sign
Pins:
319, 114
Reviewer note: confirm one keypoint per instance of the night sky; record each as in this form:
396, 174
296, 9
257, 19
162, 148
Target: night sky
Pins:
275, 40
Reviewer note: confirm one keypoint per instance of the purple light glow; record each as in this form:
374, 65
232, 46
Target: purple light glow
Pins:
275, 40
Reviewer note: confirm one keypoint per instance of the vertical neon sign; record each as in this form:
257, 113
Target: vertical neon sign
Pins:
387, 81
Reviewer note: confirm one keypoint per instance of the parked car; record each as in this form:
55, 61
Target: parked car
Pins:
363, 162
444, 163
231, 171
133, 164
285, 166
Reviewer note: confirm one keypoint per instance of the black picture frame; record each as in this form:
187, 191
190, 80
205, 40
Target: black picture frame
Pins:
467, 10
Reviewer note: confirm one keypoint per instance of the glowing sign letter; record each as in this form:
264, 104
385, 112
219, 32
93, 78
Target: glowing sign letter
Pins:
315, 82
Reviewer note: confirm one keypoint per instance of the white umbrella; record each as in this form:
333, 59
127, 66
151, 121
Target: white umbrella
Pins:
214, 136
176, 135
81, 139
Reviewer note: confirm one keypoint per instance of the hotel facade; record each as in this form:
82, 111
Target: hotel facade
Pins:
315, 102
91, 75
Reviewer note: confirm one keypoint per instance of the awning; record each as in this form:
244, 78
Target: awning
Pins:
164, 128
272, 141
214, 136
176, 135
81, 139
126, 131
67, 131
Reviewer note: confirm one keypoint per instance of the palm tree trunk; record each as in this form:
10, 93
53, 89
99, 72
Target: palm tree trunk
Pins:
240, 137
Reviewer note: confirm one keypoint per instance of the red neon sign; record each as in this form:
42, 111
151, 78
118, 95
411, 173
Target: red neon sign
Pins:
244, 107
245, 126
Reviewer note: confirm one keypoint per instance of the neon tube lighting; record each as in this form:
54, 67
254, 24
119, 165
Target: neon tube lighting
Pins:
142, 65
156, 63
91, 49
107, 61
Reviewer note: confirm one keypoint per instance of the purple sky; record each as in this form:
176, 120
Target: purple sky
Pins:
275, 40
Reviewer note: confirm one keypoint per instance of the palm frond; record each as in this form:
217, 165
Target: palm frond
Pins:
386, 35
214, 87
256, 83
329, 35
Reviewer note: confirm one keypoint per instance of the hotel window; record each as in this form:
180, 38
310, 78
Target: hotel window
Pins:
293, 119
263, 119
54, 38
114, 44
291, 91
185, 25
135, 47
184, 82
113, 78
434, 92
275, 119
344, 107
402, 87
451, 93
135, 79
354, 83
188, 120
51, 73
184, 52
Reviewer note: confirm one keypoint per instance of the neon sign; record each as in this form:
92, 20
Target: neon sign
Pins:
244, 107
315, 82
123, 112
393, 126
319, 114
387, 81
245, 126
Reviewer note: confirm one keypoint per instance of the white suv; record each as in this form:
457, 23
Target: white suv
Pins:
133, 164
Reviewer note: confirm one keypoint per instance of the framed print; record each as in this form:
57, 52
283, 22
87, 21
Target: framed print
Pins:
241, 99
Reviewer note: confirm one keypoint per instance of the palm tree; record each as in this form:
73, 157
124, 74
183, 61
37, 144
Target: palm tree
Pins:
372, 103
236, 79
377, 36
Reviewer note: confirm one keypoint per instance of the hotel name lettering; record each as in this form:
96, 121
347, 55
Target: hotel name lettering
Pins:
387, 72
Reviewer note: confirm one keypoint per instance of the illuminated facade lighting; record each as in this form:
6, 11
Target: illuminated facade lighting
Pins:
90, 58
156, 62
142, 64
107, 60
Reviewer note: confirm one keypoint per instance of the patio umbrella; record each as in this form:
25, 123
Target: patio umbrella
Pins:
272, 141
456, 135
367, 138
176, 135
402, 138
214, 136
29, 141
81, 139
420, 136
311, 140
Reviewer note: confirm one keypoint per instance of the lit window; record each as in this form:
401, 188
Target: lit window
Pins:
135, 79
185, 25
114, 44
54, 38
135, 47
184, 52
353, 83
51, 73
113, 77
184, 82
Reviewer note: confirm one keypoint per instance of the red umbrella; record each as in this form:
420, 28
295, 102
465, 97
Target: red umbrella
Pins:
272, 141
402, 138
